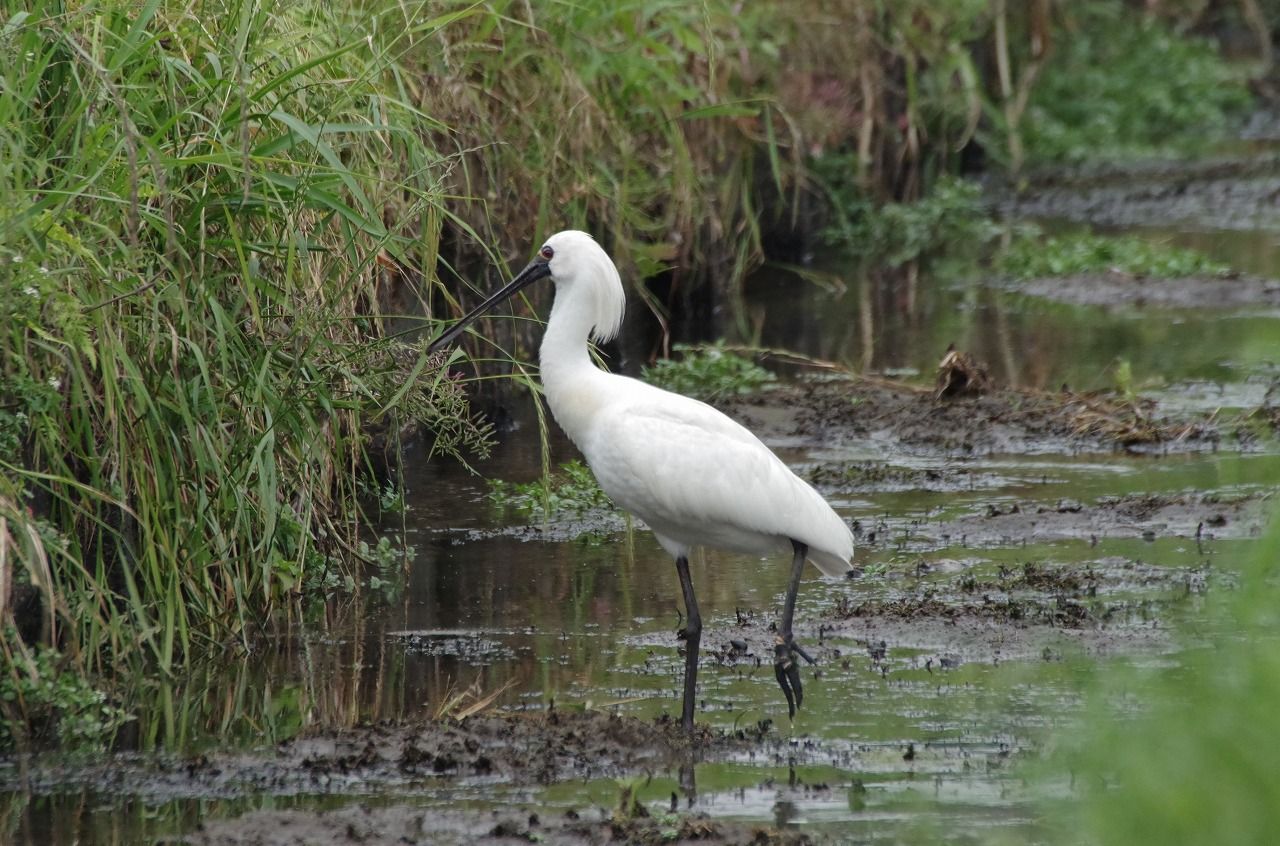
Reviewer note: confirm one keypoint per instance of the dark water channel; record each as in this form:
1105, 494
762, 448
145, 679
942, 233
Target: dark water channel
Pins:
928, 734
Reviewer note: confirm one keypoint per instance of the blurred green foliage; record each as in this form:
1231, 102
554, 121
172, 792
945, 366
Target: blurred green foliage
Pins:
1124, 83
1187, 752
45, 700
952, 216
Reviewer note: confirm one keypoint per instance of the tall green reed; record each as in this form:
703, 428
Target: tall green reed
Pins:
192, 205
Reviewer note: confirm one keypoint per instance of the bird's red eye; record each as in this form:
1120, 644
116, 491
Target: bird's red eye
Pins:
546, 253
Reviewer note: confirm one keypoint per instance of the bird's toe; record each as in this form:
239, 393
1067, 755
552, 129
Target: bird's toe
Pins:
787, 673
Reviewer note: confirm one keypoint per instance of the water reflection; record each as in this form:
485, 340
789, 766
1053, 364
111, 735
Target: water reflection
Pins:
883, 324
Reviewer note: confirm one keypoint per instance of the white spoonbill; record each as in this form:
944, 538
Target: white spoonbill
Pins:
689, 472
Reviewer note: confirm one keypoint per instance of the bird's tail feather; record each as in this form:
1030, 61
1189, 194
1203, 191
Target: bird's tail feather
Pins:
830, 565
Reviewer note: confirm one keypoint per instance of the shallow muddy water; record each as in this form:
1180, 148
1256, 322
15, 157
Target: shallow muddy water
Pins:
987, 581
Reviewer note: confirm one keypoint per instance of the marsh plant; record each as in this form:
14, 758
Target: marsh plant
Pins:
951, 219
1032, 255
44, 701
191, 207
1119, 84
572, 489
708, 372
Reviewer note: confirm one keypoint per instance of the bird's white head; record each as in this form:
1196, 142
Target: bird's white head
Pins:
587, 284
582, 270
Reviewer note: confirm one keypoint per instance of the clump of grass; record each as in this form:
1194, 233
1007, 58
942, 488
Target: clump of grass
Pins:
43, 701
1033, 256
572, 490
1123, 83
950, 218
708, 373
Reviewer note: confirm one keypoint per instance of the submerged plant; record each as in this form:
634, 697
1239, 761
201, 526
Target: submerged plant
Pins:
708, 372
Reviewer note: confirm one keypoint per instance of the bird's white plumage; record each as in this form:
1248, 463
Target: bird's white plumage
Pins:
692, 474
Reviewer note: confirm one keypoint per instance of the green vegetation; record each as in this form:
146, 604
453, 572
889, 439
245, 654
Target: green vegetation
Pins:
708, 372
1196, 763
1125, 84
573, 491
190, 354
951, 217
46, 702
1097, 79
1033, 256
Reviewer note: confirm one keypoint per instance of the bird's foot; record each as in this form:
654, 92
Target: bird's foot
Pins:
786, 670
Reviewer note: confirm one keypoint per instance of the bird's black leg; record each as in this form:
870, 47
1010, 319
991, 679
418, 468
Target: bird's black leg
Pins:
692, 637
786, 650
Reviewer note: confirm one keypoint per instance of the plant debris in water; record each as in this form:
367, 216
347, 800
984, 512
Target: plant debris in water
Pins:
960, 374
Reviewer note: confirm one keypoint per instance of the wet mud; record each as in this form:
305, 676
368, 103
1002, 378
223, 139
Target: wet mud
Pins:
491, 748
1223, 193
403, 825
1122, 290
1197, 517
903, 419
483, 751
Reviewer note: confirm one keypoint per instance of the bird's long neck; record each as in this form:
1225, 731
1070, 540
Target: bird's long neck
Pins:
574, 385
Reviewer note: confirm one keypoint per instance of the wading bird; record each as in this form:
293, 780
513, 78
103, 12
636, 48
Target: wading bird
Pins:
689, 472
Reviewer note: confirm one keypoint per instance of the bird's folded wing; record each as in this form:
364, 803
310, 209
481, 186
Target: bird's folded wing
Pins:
681, 462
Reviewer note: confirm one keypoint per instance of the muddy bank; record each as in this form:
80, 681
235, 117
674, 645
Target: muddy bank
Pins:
406, 824
1225, 193
1199, 517
937, 614
396, 762
901, 418
950, 609
399, 825
1025, 612
1116, 289
534, 748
